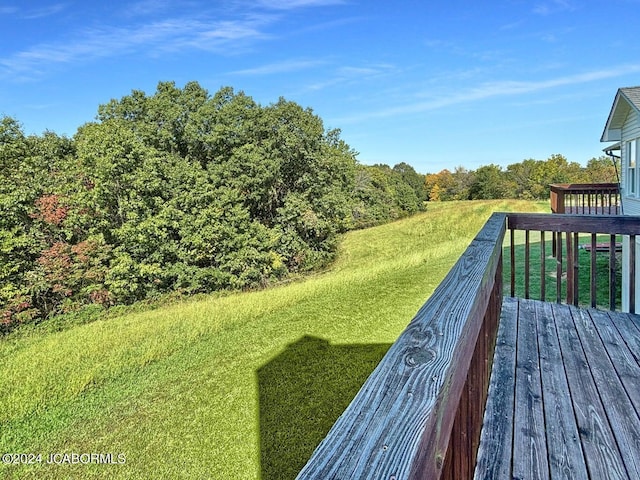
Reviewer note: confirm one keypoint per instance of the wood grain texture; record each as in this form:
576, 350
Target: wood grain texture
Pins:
600, 449
619, 342
621, 413
398, 425
529, 444
494, 452
566, 459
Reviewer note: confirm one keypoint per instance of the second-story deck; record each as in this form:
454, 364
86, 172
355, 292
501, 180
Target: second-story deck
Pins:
561, 383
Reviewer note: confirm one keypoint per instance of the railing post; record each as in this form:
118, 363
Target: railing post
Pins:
632, 273
612, 272
593, 292
543, 260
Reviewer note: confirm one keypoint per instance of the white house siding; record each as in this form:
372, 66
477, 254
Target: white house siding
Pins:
630, 130
631, 206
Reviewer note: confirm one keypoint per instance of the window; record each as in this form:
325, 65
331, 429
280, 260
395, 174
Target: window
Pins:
631, 165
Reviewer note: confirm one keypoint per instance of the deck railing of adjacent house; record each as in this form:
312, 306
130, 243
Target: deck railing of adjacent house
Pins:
586, 198
419, 414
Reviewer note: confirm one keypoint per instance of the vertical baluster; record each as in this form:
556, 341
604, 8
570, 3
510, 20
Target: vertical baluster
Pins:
612, 272
542, 266
632, 273
593, 270
527, 258
570, 271
513, 263
559, 267
576, 272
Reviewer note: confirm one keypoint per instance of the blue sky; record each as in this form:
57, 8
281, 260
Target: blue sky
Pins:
436, 84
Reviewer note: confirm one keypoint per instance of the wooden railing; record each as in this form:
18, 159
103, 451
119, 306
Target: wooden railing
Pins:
585, 198
419, 414
567, 255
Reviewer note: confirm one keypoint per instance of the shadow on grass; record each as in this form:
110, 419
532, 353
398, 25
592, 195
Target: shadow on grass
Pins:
302, 392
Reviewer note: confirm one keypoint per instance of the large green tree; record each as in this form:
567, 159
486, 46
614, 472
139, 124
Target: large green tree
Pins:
179, 190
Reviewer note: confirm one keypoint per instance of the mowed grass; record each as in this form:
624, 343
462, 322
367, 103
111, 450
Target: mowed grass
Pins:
237, 387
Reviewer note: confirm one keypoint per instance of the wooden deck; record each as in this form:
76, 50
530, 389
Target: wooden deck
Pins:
564, 395
564, 392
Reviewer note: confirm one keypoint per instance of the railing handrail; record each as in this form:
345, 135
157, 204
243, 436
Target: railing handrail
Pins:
399, 424
584, 187
603, 224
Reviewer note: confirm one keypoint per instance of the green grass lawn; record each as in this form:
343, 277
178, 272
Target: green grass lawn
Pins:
233, 387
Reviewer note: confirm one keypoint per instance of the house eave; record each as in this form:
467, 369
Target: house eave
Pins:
620, 109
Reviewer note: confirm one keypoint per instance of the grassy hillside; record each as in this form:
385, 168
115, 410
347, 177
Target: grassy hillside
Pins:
243, 386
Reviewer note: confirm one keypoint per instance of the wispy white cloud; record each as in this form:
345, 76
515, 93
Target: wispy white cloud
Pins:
553, 6
4, 10
33, 14
152, 38
146, 7
45, 11
292, 4
227, 30
495, 89
350, 74
281, 67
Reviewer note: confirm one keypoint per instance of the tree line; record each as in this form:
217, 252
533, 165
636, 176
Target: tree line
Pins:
179, 191
529, 179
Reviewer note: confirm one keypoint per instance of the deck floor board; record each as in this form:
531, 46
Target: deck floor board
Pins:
569, 407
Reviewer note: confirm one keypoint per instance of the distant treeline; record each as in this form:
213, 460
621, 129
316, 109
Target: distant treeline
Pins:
183, 192
529, 179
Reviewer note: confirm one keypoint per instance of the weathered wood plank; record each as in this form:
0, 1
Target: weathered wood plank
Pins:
494, 452
529, 443
600, 449
622, 358
566, 459
399, 424
625, 324
620, 411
